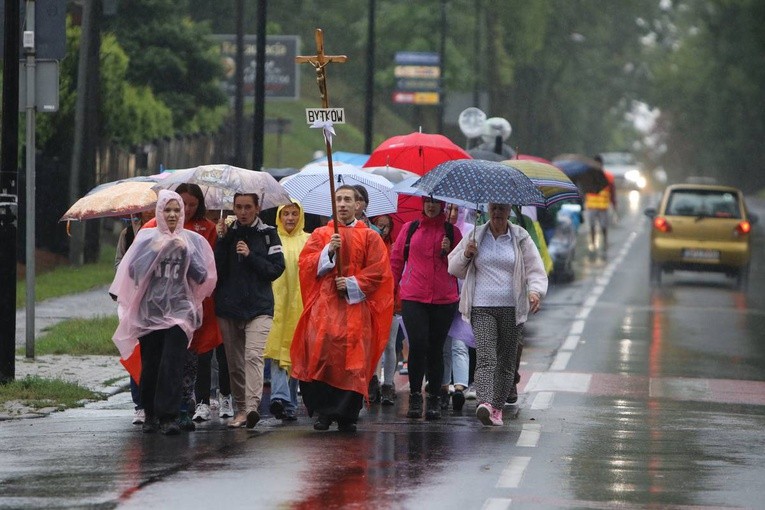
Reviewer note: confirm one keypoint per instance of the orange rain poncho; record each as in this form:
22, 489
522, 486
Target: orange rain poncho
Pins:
335, 342
288, 305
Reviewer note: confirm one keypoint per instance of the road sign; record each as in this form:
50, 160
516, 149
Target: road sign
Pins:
49, 29
46, 86
420, 98
420, 58
335, 115
416, 72
419, 84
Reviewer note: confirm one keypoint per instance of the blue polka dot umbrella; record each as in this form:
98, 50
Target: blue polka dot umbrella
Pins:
480, 182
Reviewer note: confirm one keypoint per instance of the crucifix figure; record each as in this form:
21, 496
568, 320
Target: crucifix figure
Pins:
319, 62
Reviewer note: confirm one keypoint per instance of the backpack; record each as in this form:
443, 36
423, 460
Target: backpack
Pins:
448, 230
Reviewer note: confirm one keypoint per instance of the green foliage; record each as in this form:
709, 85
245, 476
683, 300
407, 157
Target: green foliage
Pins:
37, 392
172, 55
65, 280
79, 337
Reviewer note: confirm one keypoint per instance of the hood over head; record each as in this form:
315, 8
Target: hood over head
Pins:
300, 224
163, 197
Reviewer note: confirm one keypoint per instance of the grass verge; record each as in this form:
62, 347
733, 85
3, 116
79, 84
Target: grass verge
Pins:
38, 393
78, 337
69, 279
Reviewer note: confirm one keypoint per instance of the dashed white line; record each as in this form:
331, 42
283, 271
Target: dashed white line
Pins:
576, 328
543, 400
513, 473
570, 343
529, 437
561, 360
497, 504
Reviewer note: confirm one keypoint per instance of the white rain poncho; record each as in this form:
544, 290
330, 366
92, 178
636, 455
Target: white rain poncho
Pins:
162, 280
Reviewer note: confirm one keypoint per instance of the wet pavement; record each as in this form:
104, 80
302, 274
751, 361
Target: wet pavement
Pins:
631, 397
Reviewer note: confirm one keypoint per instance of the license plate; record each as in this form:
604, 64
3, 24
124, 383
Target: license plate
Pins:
701, 254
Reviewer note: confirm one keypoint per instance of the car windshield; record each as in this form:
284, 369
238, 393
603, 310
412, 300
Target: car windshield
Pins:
715, 203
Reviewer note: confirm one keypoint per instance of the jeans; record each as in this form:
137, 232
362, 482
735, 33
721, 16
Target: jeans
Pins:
389, 361
456, 362
283, 387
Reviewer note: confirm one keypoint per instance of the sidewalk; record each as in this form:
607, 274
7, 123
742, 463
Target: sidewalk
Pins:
102, 374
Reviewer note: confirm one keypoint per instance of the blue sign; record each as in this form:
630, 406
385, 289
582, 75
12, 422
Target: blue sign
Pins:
417, 58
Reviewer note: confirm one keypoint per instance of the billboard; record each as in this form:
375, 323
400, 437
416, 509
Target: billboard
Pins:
282, 76
418, 78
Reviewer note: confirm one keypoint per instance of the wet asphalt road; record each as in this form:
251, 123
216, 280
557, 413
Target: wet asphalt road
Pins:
631, 397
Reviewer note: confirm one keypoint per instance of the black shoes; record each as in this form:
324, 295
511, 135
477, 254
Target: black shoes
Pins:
322, 422
374, 390
253, 417
388, 395
444, 397
415, 406
277, 409
513, 397
289, 415
432, 407
150, 425
185, 422
458, 400
169, 427
346, 426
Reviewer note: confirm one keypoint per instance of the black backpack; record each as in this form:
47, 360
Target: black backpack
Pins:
448, 230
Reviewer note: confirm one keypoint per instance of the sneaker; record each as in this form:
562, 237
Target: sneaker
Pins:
139, 417
185, 423
289, 415
496, 417
169, 428
470, 393
415, 406
277, 409
226, 409
202, 412
388, 395
404, 368
214, 404
483, 413
513, 397
458, 400
432, 407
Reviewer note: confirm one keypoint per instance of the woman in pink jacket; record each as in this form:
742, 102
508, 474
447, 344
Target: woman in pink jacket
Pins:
429, 297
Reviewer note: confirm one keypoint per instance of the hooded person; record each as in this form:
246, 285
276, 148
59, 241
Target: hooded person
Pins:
159, 287
346, 317
288, 305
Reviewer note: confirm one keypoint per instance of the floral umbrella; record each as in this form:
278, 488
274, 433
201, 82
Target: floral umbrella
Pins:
118, 199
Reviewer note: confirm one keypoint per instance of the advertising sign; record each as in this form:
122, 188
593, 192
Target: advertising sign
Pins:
418, 78
282, 76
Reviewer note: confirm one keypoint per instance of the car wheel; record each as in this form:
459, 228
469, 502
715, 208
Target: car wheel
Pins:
742, 278
655, 274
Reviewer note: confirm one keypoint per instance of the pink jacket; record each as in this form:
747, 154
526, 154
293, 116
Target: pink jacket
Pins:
424, 277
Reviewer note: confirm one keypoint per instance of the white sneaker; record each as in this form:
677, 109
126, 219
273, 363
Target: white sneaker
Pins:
214, 404
226, 410
470, 393
139, 417
202, 413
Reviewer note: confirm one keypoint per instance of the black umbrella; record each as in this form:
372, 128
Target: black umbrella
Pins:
480, 182
586, 173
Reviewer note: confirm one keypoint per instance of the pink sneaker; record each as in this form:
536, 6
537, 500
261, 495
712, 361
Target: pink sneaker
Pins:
496, 417
484, 412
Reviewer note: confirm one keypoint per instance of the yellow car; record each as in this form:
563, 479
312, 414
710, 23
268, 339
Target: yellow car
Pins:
701, 227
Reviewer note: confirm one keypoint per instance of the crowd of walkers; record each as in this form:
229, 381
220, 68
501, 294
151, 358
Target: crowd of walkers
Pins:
335, 313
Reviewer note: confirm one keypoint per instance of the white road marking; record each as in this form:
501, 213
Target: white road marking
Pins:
530, 434
497, 504
513, 473
570, 343
576, 328
556, 381
561, 360
543, 400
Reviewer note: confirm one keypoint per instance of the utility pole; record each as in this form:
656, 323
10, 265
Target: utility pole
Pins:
239, 79
9, 163
259, 116
442, 98
31, 145
370, 86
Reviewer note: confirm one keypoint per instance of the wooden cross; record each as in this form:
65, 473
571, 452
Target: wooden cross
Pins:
319, 62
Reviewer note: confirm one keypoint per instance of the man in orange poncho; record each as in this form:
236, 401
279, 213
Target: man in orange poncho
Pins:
346, 317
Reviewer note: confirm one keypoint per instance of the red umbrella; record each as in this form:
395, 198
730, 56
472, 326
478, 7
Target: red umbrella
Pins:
416, 152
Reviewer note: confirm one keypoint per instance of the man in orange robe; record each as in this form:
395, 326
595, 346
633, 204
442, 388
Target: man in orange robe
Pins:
346, 316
